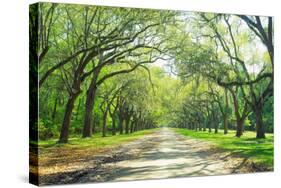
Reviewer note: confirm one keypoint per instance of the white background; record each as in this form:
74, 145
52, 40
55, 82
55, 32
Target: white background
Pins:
14, 91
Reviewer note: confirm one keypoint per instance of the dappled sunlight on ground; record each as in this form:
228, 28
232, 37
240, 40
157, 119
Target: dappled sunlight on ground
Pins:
172, 156
163, 154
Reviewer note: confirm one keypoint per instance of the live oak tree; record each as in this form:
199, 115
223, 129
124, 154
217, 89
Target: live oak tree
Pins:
225, 48
112, 40
244, 78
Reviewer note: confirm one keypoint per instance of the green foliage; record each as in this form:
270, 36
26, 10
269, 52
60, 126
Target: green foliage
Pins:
204, 53
47, 130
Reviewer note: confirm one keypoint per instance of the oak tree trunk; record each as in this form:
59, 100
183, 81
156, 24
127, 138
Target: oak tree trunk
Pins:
259, 122
120, 124
104, 124
225, 115
132, 126
225, 124
113, 126
127, 121
90, 101
239, 128
67, 117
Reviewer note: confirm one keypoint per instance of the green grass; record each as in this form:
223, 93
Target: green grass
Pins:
259, 151
96, 141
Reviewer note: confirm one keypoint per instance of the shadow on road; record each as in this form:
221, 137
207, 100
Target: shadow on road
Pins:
164, 154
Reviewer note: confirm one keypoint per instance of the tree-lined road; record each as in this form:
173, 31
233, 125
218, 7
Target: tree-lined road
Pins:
167, 154
163, 154
111, 76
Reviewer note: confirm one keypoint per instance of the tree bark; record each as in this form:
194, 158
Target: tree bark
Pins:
113, 124
127, 121
132, 126
104, 124
90, 101
259, 122
225, 124
215, 125
209, 127
208, 122
136, 125
120, 124
214, 122
67, 117
199, 122
225, 115
239, 128
113, 115
204, 123
239, 118
87, 130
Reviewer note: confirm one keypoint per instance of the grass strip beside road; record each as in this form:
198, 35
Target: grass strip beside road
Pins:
259, 151
96, 141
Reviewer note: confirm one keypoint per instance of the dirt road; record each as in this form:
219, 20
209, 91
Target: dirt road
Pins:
171, 155
164, 154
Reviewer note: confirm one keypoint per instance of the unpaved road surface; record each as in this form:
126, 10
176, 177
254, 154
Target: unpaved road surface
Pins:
164, 154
